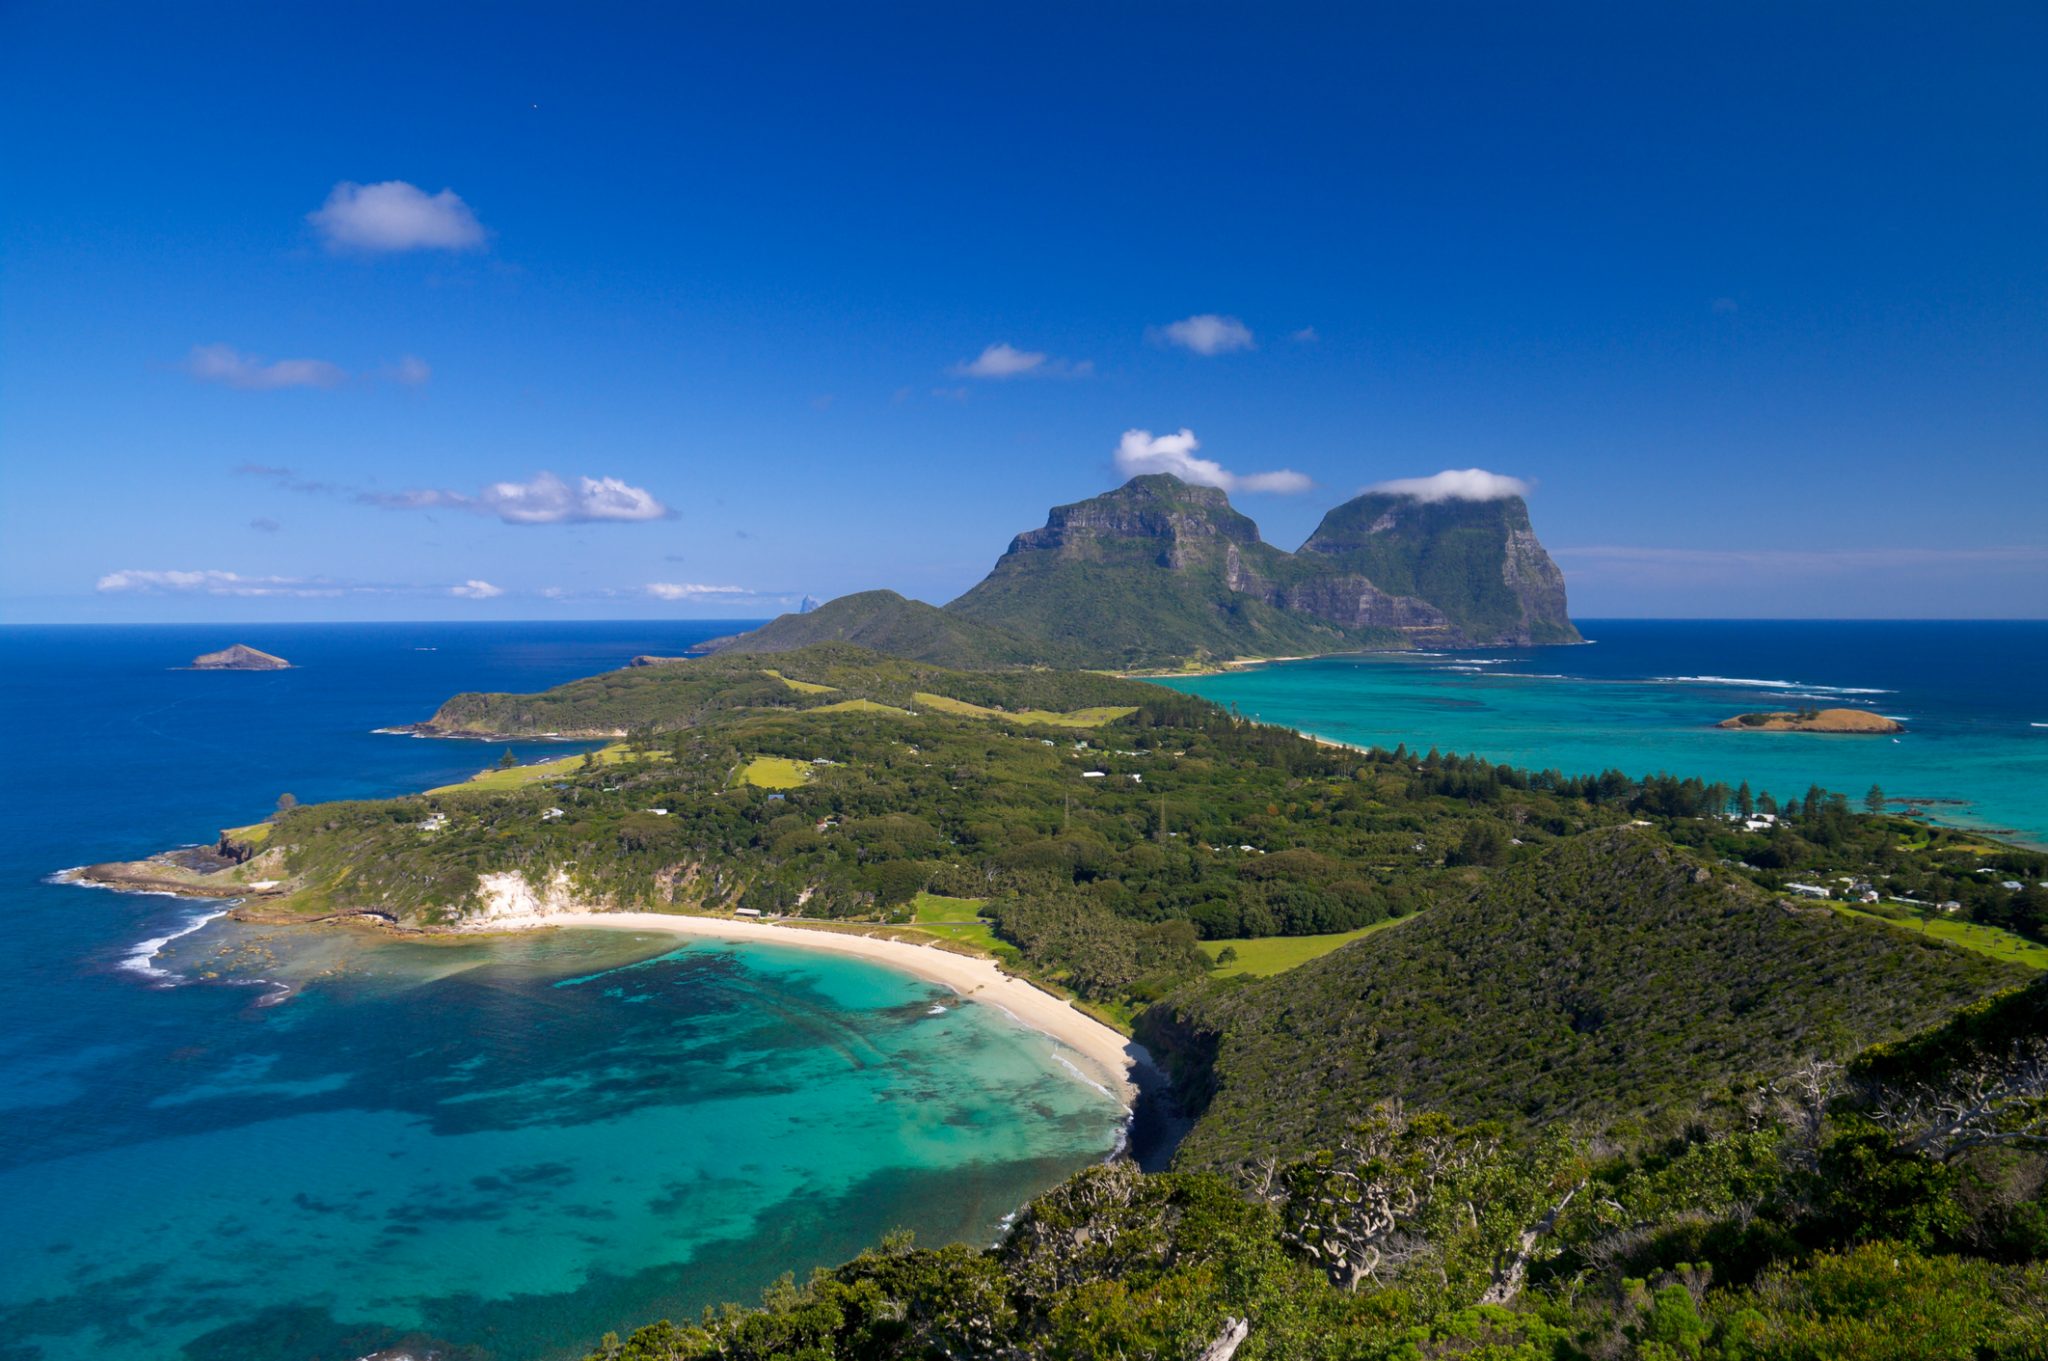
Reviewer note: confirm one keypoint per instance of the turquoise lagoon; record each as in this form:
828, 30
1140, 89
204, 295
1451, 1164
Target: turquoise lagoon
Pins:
1643, 697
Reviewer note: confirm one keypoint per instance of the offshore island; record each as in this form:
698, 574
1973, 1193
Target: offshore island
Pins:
1470, 1060
1814, 720
239, 657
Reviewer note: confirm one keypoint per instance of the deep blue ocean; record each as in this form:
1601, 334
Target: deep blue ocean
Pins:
276, 1144
504, 1148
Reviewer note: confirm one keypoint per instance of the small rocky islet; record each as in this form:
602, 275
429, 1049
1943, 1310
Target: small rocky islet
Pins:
240, 657
1815, 720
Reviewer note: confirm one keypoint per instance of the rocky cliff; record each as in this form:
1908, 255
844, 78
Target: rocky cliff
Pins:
1446, 573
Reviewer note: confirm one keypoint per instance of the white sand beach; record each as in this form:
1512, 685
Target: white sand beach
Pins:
1104, 1054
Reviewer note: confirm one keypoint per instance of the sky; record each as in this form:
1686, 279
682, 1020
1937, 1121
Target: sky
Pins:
608, 311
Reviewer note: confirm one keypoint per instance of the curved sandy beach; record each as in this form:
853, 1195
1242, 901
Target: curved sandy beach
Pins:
1105, 1054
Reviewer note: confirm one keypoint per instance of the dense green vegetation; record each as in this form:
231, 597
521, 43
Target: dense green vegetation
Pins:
677, 695
1608, 981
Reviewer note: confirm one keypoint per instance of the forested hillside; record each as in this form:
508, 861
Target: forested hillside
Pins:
887, 622
1614, 982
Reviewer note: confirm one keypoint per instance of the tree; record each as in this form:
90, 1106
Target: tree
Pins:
508, 761
1874, 801
1996, 1097
897, 882
1484, 843
1356, 1210
286, 802
1745, 802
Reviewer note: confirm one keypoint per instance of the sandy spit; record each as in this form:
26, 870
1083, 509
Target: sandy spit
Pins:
1104, 1054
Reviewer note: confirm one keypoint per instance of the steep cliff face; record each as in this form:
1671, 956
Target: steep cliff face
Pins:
1447, 573
1154, 517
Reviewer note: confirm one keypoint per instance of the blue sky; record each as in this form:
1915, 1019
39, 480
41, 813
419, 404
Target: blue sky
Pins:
331, 313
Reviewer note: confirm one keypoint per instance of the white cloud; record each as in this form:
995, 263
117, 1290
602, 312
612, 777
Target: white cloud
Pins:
211, 582
411, 371
1002, 360
395, 216
252, 373
1206, 333
1469, 484
548, 500
544, 500
999, 361
474, 589
686, 590
1305, 336
1140, 451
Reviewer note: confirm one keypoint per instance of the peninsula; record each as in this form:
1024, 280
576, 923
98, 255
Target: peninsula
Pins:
240, 657
1814, 720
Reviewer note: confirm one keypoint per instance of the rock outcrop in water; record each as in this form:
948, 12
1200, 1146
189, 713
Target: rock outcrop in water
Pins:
240, 657
1814, 720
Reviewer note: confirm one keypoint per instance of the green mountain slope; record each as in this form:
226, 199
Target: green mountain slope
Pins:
887, 622
1609, 980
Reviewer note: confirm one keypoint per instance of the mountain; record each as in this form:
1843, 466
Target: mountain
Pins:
1159, 572
1607, 980
887, 622
1446, 573
1156, 570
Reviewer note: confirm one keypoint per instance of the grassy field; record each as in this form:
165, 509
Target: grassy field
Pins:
255, 834
1078, 718
1984, 940
860, 706
775, 772
494, 780
801, 687
955, 919
1267, 955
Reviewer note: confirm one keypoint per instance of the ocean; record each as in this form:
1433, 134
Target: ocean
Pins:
226, 1142
1642, 696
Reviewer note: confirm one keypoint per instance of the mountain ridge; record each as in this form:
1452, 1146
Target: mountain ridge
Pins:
1163, 572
